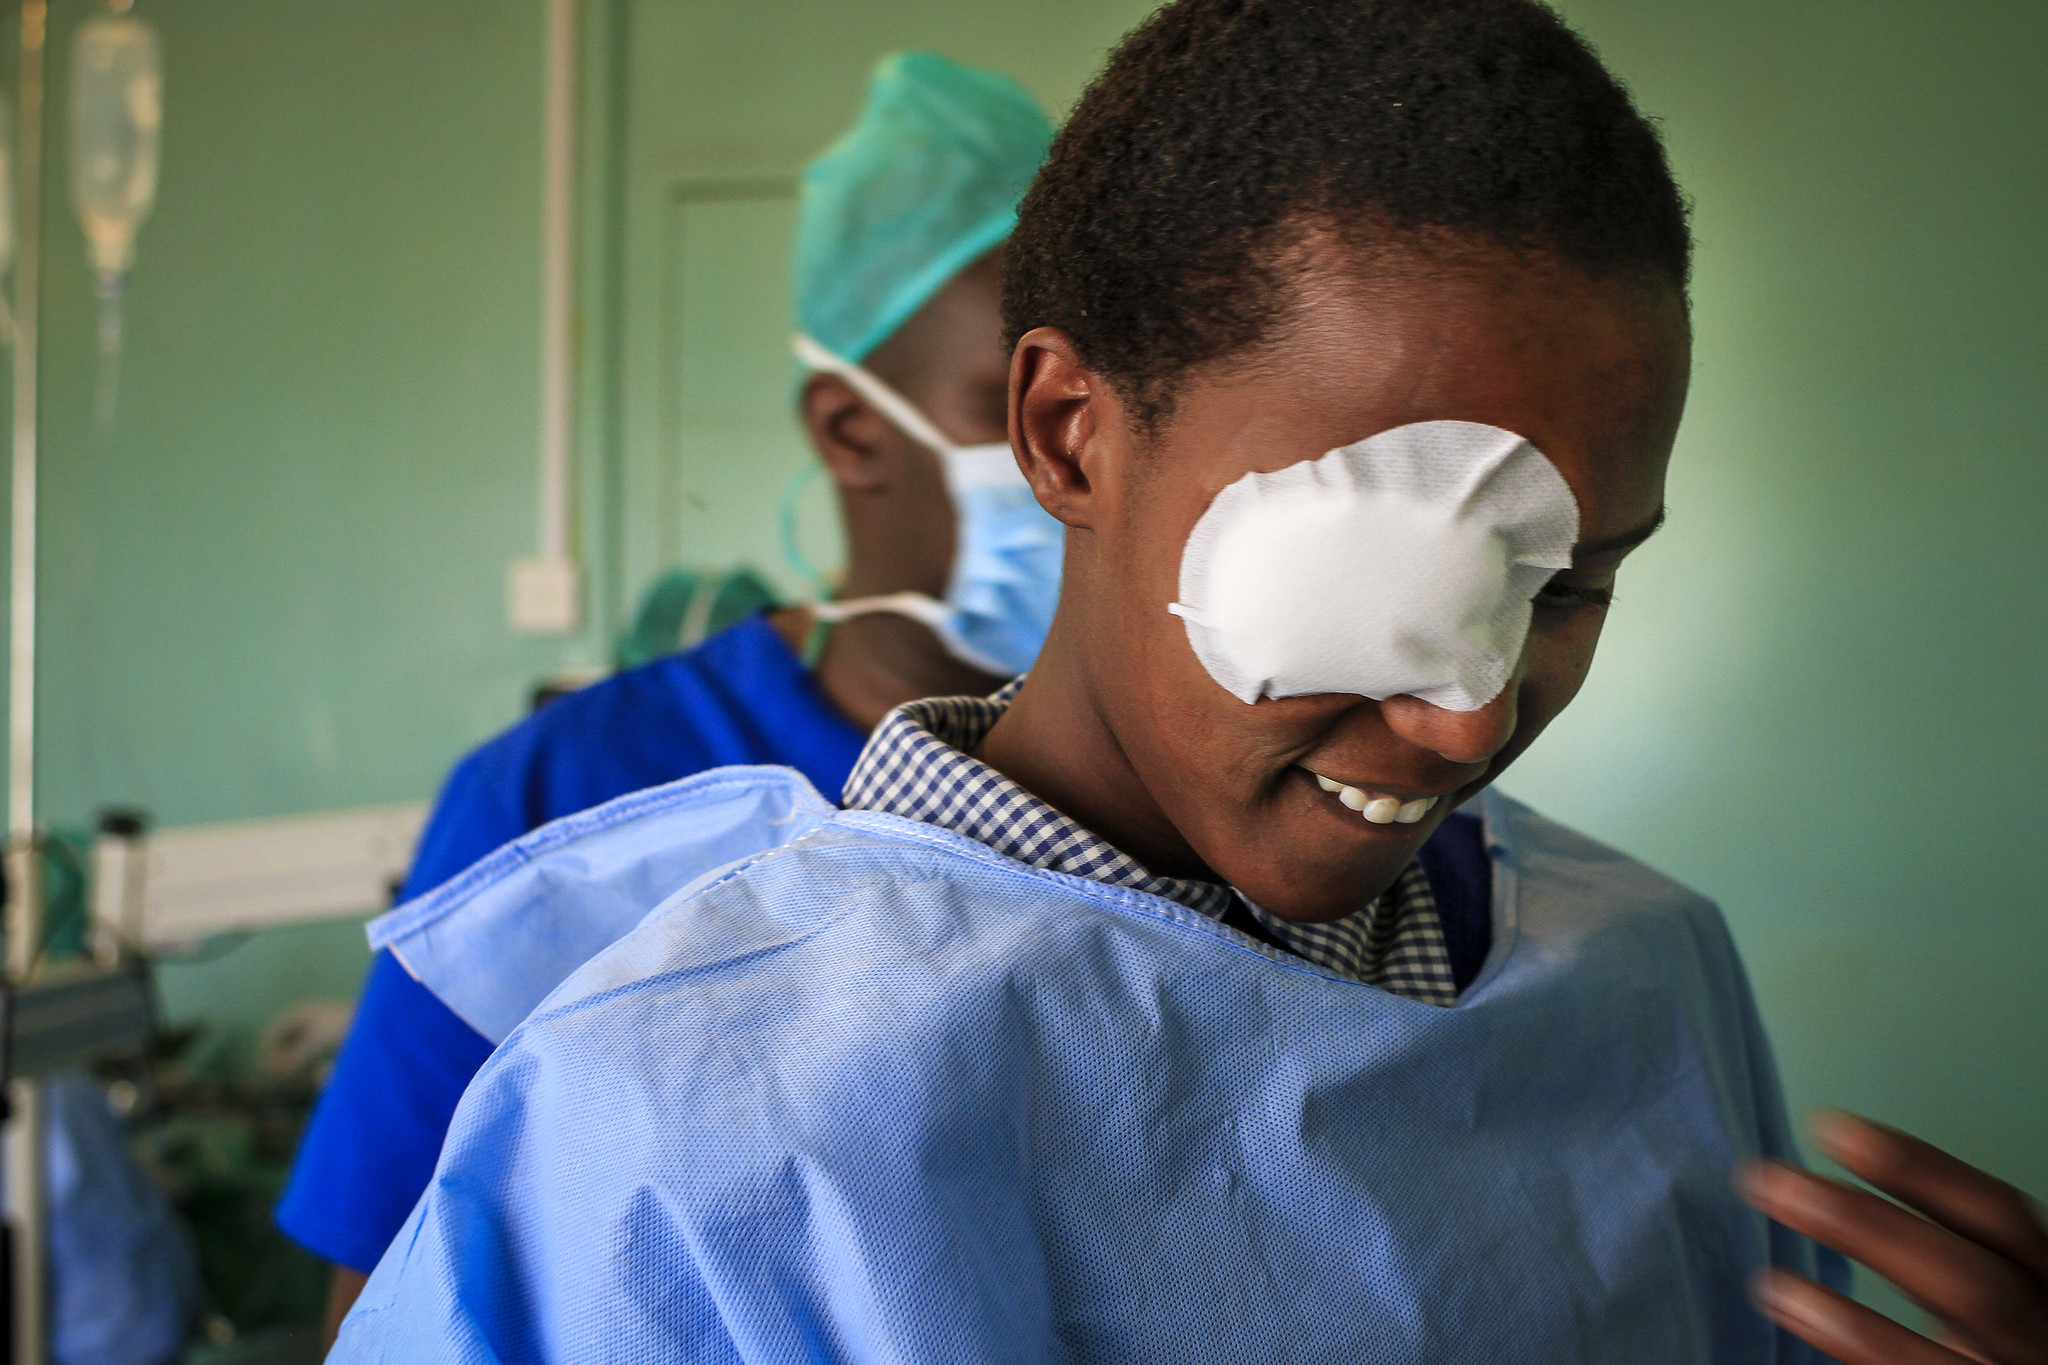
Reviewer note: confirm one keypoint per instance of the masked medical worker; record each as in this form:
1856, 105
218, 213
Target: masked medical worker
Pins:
1197, 998
950, 586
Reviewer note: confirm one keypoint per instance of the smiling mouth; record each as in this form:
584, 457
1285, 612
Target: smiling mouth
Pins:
1377, 807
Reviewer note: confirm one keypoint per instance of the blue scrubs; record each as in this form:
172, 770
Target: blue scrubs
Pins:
740, 697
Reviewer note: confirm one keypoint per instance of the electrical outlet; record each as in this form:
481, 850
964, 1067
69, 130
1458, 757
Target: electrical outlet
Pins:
544, 596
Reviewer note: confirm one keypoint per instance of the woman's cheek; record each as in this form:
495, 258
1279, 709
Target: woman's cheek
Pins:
1560, 657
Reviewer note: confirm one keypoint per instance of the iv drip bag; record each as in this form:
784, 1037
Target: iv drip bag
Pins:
116, 118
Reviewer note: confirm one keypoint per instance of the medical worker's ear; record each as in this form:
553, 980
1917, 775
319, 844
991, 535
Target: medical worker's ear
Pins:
855, 443
1062, 417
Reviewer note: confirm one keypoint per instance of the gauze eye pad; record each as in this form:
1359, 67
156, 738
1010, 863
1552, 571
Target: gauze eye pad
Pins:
1400, 565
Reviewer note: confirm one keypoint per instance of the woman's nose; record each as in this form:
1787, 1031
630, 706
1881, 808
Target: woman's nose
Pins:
1459, 736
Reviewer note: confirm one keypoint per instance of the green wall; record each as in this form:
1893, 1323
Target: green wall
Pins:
1821, 697
279, 586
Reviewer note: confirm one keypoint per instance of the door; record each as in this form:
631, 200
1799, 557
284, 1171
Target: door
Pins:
721, 105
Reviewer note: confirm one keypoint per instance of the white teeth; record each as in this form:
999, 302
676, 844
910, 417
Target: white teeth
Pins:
1380, 810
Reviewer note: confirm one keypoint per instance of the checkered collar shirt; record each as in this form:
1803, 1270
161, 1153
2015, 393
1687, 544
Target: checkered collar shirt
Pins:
917, 765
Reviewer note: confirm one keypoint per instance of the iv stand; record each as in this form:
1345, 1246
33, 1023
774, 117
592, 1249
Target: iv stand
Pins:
49, 1018
28, 1238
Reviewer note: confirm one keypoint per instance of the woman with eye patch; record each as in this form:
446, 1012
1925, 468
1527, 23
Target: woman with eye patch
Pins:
1196, 997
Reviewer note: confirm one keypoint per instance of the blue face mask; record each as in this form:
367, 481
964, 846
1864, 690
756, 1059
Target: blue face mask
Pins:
1006, 559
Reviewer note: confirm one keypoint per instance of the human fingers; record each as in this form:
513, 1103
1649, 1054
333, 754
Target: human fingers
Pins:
1841, 1327
1953, 1193
1983, 1297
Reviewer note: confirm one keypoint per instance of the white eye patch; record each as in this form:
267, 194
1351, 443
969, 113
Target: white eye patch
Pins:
1400, 565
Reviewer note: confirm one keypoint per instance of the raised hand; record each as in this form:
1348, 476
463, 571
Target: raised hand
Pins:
1977, 1260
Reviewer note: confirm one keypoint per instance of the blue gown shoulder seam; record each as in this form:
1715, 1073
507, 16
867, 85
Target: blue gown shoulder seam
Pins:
417, 914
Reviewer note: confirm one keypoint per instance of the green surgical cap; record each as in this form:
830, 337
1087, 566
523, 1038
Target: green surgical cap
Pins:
926, 181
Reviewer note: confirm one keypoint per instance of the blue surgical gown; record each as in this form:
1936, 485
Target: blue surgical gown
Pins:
740, 697
879, 1093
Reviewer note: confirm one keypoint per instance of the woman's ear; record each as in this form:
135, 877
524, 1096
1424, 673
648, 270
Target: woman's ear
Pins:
855, 443
1064, 419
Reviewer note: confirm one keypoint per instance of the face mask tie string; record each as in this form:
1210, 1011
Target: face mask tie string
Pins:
1004, 584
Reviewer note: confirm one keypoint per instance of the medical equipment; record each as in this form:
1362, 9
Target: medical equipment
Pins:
1005, 581
1400, 565
168, 890
116, 124
27, 1204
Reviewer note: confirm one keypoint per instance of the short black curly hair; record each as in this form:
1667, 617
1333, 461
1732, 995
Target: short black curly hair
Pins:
1154, 234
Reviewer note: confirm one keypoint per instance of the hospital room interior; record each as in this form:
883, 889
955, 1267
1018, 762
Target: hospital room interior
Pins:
389, 380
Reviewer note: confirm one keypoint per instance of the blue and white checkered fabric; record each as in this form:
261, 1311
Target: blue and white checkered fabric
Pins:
916, 765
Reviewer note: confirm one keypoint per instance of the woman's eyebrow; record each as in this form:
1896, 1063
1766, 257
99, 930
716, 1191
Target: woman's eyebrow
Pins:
1616, 544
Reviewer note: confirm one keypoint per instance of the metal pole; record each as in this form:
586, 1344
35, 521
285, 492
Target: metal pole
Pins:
545, 592
24, 1155
558, 279
21, 656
